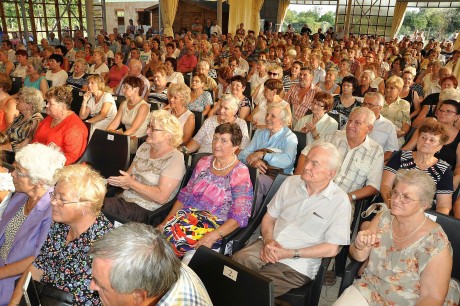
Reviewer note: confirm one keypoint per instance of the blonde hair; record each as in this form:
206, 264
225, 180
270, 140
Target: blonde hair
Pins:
396, 81
181, 90
170, 124
98, 80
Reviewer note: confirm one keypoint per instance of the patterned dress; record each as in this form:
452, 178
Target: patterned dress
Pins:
393, 276
68, 266
339, 108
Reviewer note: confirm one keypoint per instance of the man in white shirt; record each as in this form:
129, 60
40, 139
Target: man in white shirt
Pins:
215, 28
8, 47
304, 222
146, 53
242, 63
383, 131
56, 74
319, 74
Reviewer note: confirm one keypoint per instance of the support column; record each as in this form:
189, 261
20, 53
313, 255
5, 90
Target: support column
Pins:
219, 13
90, 21
24, 22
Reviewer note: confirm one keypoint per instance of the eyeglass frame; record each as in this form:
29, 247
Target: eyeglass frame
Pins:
405, 199
60, 202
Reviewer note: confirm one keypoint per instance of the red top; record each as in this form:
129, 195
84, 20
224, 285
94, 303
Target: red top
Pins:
116, 74
71, 135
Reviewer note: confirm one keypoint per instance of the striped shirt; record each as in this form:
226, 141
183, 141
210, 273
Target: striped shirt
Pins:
301, 107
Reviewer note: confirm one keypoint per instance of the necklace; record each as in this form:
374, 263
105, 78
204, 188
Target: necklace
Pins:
401, 239
224, 168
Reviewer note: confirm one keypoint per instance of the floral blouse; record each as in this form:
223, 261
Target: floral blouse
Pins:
200, 102
393, 276
339, 108
226, 197
68, 267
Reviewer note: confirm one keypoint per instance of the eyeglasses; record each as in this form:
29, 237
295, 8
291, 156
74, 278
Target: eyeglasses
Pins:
405, 199
61, 202
449, 112
151, 127
272, 73
317, 103
19, 173
369, 105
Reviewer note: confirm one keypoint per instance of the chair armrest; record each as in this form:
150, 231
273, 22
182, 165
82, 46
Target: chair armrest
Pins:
159, 214
113, 191
349, 275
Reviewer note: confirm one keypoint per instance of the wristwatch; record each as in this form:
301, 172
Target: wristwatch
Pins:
296, 254
353, 197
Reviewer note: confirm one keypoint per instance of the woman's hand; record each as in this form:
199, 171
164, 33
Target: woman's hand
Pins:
208, 239
366, 239
309, 128
124, 181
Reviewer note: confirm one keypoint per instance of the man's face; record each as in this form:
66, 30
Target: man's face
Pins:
5, 46
305, 78
316, 169
372, 103
237, 52
273, 119
101, 284
357, 128
135, 54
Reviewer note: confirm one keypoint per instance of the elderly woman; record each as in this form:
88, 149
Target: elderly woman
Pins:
365, 82
179, 98
159, 90
99, 66
396, 109
29, 104
432, 79
7, 103
410, 258
63, 261
116, 72
133, 112
345, 103
409, 94
319, 123
172, 76
34, 77
272, 90
432, 136
98, 105
6, 66
78, 79
27, 218
154, 176
200, 100
62, 126
220, 184
227, 114
344, 70
329, 86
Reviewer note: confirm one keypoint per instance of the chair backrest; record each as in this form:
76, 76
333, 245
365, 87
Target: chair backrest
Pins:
199, 118
451, 226
107, 153
336, 117
301, 143
279, 179
77, 100
16, 85
118, 100
155, 106
230, 283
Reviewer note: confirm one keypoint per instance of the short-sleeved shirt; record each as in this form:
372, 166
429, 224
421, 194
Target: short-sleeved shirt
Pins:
77, 82
148, 171
227, 197
103, 68
200, 102
345, 111
57, 79
95, 109
68, 266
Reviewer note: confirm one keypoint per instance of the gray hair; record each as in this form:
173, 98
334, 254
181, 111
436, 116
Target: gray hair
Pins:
33, 97
370, 116
204, 63
141, 259
370, 73
335, 160
36, 63
420, 180
232, 101
379, 96
82, 62
182, 90
449, 94
285, 115
41, 162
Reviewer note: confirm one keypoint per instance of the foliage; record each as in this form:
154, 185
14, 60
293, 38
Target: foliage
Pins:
312, 18
434, 22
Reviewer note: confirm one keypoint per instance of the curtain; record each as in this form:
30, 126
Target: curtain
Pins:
244, 11
399, 12
168, 12
457, 43
282, 9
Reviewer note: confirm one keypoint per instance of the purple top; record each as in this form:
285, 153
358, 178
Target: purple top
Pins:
227, 197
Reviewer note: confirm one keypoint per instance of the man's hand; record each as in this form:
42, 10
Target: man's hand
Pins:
268, 253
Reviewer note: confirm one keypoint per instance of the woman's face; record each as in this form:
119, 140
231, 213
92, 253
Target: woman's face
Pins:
396, 66
428, 143
54, 108
447, 84
260, 67
92, 86
365, 79
330, 76
159, 80
130, 92
405, 200
447, 114
317, 107
58, 51
222, 146
30, 69
156, 134
269, 94
196, 83
295, 69
118, 59
23, 107
175, 100
21, 179
237, 88
78, 68
408, 79
226, 114
344, 66
169, 67
347, 88
392, 92
70, 213
97, 57
274, 75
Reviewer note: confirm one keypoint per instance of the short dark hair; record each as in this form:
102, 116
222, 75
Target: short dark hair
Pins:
239, 78
352, 80
63, 50
134, 82
173, 62
233, 129
57, 57
8, 43
453, 103
274, 84
22, 52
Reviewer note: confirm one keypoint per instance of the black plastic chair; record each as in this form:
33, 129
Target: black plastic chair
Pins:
16, 85
77, 100
229, 283
336, 117
301, 144
451, 227
107, 153
118, 100
199, 119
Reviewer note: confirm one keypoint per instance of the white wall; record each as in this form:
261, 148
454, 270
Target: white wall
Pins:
129, 8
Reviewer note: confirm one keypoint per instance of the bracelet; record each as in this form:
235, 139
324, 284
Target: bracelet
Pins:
220, 233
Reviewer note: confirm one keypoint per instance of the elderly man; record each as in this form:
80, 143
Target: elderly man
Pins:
114, 45
304, 222
301, 95
383, 131
274, 146
134, 265
188, 61
203, 67
362, 158
135, 69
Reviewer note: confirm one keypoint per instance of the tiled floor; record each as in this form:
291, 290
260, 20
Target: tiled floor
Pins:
329, 294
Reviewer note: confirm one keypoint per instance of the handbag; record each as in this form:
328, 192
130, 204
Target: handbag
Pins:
271, 171
187, 226
51, 296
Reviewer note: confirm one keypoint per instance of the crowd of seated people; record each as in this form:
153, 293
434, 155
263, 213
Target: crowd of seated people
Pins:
373, 105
